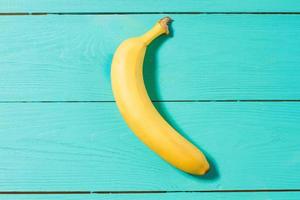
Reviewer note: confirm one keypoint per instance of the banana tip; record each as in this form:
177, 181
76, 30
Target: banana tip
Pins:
164, 22
204, 170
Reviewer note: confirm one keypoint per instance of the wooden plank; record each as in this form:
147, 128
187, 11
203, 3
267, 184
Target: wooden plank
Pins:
168, 196
52, 197
88, 147
210, 57
148, 6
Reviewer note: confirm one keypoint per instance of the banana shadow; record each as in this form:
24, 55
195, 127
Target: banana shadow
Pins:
152, 86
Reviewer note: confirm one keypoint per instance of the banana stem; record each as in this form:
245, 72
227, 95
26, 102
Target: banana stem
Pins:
161, 27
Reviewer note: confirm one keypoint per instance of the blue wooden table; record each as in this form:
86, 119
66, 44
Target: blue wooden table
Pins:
228, 79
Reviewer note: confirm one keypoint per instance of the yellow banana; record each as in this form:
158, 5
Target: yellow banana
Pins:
138, 111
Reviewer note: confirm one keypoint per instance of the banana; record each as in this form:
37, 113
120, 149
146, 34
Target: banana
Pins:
138, 111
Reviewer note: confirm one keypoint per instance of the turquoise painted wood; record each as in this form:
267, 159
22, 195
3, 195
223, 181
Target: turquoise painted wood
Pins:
87, 146
210, 57
147, 5
169, 196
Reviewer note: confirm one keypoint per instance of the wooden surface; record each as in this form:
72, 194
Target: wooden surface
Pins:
228, 80
149, 6
166, 196
230, 57
87, 146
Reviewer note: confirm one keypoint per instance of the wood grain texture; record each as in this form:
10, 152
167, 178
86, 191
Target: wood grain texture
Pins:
147, 5
87, 146
58, 58
208, 196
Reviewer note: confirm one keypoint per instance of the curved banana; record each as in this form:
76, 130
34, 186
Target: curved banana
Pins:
138, 111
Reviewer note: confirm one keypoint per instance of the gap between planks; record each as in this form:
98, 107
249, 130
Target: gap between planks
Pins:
146, 13
147, 191
169, 101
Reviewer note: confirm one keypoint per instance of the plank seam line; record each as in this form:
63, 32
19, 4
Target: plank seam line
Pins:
145, 13
169, 101
145, 191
